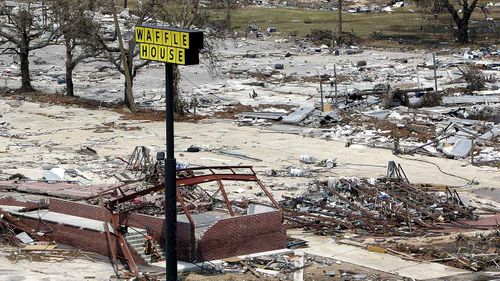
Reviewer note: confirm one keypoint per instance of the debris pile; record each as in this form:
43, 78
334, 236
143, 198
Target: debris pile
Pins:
7, 234
43, 251
471, 252
279, 266
386, 206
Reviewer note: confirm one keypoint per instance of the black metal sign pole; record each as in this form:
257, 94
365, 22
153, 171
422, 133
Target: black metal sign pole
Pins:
180, 47
170, 176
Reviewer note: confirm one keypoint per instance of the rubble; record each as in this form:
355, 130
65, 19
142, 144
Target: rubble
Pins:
382, 207
357, 95
476, 251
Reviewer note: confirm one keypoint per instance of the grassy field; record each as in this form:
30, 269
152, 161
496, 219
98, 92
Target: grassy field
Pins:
288, 20
405, 23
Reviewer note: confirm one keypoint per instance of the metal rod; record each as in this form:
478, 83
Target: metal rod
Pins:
435, 73
418, 78
112, 249
170, 175
321, 92
472, 153
226, 199
335, 75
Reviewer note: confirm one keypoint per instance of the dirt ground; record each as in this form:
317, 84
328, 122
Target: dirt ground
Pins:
343, 271
88, 267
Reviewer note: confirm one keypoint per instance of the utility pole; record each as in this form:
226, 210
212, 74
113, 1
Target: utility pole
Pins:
340, 17
228, 15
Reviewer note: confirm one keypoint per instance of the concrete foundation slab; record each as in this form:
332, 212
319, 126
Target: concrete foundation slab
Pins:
326, 247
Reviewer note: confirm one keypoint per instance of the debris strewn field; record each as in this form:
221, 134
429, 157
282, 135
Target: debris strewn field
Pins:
345, 161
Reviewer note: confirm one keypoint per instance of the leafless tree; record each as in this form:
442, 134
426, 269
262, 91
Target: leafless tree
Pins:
454, 8
22, 30
191, 14
112, 52
76, 26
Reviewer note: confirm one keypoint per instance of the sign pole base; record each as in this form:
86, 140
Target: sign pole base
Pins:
170, 176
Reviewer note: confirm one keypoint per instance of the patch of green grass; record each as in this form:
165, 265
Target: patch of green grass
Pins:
405, 23
287, 20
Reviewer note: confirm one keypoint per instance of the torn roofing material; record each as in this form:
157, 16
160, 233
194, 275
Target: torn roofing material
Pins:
298, 115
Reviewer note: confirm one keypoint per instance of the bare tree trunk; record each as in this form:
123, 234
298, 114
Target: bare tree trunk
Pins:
69, 69
69, 81
463, 33
25, 70
126, 100
462, 23
127, 67
179, 105
91, 5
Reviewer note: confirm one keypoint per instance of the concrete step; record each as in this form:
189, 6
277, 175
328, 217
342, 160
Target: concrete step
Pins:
136, 241
135, 237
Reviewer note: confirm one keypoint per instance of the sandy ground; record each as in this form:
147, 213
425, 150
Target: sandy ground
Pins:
78, 269
98, 81
42, 135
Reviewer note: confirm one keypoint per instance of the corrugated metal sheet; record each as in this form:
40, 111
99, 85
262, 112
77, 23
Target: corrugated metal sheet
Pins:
298, 115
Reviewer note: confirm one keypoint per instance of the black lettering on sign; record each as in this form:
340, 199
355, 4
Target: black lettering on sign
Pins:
180, 56
139, 34
171, 55
176, 40
166, 37
162, 53
169, 45
144, 51
185, 40
149, 35
158, 38
153, 52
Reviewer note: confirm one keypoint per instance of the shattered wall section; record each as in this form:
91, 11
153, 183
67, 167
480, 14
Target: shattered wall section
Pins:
185, 250
243, 235
11, 201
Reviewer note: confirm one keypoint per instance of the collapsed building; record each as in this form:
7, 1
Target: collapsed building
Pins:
210, 225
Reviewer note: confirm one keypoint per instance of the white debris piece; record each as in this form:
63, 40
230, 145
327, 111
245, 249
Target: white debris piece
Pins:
54, 174
460, 149
25, 238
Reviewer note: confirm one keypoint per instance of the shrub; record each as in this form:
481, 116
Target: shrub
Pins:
474, 78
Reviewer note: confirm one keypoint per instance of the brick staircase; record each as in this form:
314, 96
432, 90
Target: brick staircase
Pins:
136, 237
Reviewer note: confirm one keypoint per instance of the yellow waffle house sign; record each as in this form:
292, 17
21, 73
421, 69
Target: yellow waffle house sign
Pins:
169, 45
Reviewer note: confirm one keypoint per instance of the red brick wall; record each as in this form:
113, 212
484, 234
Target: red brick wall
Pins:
186, 243
95, 213
226, 238
243, 235
11, 201
185, 250
81, 238
76, 209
